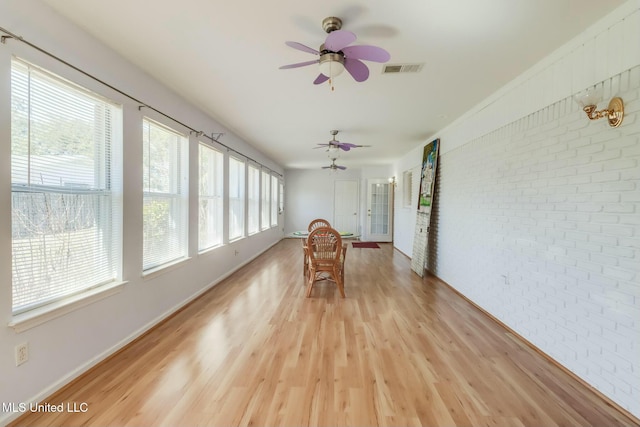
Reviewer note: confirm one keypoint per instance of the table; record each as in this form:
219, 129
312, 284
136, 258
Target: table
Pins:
305, 234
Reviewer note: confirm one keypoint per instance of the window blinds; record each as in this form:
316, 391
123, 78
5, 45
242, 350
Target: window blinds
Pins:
236, 198
165, 201
253, 188
274, 201
210, 220
266, 198
66, 209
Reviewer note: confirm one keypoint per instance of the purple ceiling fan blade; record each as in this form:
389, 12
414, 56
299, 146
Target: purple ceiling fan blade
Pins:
302, 47
299, 64
320, 79
338, 40
348, 144
341, 167
368, 53
344, 147
357, 69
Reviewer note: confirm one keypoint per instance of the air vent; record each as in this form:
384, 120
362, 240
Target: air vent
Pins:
402, 68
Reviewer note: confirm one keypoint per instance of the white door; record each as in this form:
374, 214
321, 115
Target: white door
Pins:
379, 210
345, 205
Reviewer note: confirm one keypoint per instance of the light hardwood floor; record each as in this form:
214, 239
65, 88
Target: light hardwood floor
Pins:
398, 350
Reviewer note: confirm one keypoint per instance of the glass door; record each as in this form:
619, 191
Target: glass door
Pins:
379, 210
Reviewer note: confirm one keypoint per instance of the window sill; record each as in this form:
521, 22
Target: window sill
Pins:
32, 318
161, 269
211, 249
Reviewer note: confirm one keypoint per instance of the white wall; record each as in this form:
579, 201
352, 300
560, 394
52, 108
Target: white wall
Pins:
405, 217
537, 213
309, 194
62, 348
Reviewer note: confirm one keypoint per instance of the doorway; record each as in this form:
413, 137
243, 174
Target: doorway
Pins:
379, 210
345, 206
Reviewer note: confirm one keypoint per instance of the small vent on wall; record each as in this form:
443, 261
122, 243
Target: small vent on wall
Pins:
401, 68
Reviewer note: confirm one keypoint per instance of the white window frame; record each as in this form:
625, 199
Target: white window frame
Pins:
165, 197
274, 201
237, 198
265, 200
210, 197
281, 198
253, 199
93, 259
407, 188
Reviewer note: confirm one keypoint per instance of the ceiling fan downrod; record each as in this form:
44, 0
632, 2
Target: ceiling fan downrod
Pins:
331, 23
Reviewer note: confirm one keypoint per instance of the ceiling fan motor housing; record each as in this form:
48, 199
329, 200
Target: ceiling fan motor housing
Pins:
327, 55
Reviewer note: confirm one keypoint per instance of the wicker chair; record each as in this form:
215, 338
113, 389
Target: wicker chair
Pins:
326, 257
316, 223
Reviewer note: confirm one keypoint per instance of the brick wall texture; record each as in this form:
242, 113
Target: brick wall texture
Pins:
538, 222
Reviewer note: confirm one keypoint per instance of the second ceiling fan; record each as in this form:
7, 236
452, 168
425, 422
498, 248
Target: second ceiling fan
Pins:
335, 54
333, 166
335, 144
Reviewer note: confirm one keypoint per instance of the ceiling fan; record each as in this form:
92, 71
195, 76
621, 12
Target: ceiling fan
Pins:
335, 144
335, 54
333, 166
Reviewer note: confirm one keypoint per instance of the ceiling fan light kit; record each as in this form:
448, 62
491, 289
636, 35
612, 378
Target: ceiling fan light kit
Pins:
333, 152
336, 54
331, 64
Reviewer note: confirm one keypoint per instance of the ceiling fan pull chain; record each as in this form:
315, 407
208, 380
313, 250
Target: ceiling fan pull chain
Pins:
330, 74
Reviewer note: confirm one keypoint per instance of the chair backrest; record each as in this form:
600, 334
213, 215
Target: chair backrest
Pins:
325, 245
318, 223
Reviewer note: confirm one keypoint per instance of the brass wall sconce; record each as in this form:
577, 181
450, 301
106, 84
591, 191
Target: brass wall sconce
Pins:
589, 99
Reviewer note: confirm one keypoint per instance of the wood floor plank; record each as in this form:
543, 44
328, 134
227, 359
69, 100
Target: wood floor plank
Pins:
398, 350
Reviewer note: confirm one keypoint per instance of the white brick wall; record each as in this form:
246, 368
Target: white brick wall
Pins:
420, 243
538, 222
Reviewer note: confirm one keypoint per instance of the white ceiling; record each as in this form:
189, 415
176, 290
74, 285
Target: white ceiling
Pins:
223, 56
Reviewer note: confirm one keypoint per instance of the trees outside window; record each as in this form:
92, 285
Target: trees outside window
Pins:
165, 200
66, 188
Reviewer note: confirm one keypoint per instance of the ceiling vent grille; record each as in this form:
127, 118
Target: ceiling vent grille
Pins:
401, 68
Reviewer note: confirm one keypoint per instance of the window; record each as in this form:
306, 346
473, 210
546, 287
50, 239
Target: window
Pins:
66, 211
165, 219
254, 199
281, 199
266, 198
210, 193
274, 201
407, 177
236, 198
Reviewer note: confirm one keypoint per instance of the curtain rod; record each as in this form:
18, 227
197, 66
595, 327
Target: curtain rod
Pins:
11, 35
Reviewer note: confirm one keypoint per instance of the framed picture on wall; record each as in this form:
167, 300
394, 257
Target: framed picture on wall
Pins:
428, 175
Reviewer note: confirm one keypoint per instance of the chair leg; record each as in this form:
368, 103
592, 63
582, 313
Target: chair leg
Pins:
311, 280
339, 282
305, 262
